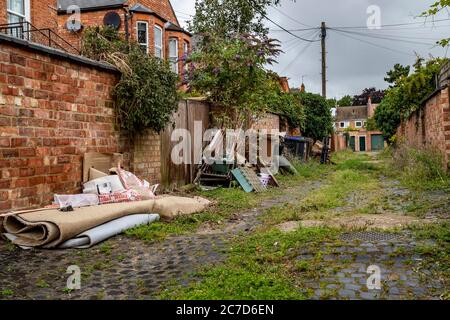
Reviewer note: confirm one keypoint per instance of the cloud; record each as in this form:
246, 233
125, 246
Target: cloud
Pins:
352, 64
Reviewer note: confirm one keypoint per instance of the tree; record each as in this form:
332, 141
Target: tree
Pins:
388, 113
395, 75
227, 18
407, 95
435, 8
345, 101
319, 120
363, 98
231, 73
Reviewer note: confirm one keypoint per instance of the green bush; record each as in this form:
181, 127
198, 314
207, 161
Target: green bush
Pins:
419, 168
146, 95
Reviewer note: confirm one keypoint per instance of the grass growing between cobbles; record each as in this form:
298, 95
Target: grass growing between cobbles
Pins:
260, 266
436, 256
350, 174
227, 201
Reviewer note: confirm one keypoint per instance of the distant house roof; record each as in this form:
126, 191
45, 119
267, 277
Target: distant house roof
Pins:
140, 8
351, 113
86, 5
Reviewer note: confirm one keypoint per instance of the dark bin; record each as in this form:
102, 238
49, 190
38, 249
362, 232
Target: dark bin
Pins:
298, 147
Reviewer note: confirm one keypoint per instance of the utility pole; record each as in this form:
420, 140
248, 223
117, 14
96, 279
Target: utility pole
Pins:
324, 60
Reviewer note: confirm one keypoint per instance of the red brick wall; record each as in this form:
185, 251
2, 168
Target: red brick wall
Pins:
51, 112
3, 12
269, 122
430, 126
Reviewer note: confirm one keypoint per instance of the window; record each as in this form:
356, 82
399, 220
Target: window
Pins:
158, 42
185, 53
173, 54
18, 11
342, 125
358, 124
142, 35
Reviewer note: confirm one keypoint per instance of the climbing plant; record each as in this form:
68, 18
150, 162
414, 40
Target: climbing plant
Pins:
407, 95
146, 94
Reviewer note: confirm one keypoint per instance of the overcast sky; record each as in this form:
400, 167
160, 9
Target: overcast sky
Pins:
352, 64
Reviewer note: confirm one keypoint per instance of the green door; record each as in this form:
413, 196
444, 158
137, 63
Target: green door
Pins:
362, 144
377, 141
352, 143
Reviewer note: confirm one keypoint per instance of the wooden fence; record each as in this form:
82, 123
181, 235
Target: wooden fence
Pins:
189, 111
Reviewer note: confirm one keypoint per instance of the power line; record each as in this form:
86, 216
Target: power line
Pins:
299, 54
394, 25
284, 29
294, 42
372, 44
383, 37
289, 17
382, 28
398, 36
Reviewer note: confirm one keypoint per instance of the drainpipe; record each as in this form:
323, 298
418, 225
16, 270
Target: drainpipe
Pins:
127, 27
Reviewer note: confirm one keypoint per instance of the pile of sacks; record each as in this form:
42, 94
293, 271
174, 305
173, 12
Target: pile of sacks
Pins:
120, 186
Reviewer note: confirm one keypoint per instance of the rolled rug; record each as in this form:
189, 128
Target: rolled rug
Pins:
110, 229
50, 228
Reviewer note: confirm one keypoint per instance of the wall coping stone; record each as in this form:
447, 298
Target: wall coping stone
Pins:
57, 53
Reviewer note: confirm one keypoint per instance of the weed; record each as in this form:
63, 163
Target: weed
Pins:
41, 283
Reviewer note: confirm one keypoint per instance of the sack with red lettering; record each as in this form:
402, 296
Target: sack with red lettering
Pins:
119, 197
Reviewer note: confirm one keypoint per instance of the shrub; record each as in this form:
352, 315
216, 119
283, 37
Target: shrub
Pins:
146, 95
419, 168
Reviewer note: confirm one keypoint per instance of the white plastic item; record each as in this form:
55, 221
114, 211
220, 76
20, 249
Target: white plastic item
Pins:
110, 229
116, 184
76, 200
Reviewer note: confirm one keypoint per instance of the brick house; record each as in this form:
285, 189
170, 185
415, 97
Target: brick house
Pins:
153, 23
350, 129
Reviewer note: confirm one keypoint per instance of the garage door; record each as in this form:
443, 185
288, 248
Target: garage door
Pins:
377, 141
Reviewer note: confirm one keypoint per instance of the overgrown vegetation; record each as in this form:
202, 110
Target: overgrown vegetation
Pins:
319, 120
146, 95
259, 267
439, 6
407, 94
419, 169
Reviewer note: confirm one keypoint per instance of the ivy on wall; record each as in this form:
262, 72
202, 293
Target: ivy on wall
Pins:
146, 95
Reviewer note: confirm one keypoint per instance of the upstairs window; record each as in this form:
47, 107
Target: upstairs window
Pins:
342, 125
158, 42
173, 54
185, 53
18, 11
142, 35
358, 124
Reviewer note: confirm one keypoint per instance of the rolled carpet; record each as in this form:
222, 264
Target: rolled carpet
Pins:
107, 230
50, 228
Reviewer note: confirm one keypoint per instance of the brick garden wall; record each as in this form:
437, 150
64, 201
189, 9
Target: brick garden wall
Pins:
430, 126
54, 109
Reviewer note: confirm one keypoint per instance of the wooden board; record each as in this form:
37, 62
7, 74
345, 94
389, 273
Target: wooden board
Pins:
253, 179
238, 175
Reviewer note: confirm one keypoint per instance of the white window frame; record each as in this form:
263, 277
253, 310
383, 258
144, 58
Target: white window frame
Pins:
356, 124
160, 45
173, 59
27, 11
185, 52
26, 16
146, 44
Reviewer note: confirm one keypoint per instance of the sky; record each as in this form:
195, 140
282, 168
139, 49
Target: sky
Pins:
355, 60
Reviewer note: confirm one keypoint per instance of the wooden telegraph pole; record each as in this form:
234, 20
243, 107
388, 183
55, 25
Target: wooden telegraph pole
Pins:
324, 60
